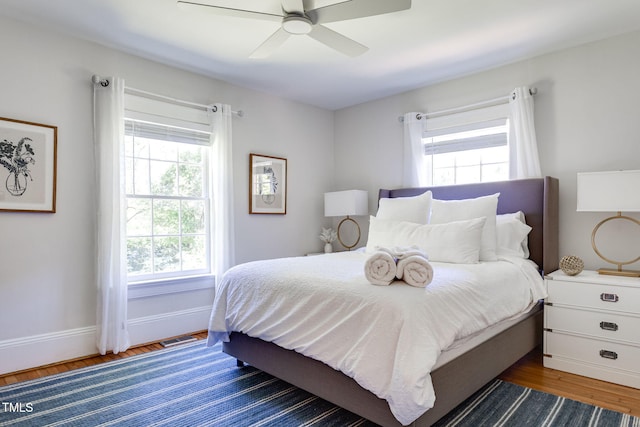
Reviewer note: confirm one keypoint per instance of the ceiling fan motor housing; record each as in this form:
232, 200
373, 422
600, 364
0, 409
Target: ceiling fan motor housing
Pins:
296, 24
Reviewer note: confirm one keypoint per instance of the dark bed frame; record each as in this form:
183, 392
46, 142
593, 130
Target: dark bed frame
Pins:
459, 378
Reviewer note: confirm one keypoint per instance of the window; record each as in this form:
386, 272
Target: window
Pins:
466, 154
469, 146
168, 201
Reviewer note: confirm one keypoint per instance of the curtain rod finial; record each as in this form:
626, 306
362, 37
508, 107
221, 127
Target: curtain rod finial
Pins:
96, 79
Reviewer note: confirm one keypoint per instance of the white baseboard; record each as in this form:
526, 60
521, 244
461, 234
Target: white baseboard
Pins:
38, 350
158, 327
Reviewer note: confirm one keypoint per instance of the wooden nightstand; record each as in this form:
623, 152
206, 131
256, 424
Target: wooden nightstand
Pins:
592, 326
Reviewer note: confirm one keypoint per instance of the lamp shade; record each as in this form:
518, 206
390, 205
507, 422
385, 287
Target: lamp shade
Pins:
344, 203
616, 191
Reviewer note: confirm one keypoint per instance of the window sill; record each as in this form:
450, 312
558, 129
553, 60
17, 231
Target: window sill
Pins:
170, 286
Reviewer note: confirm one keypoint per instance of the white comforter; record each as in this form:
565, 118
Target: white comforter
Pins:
385, 337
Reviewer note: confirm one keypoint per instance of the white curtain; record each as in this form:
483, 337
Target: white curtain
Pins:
414, 172
524, 161
222, 188
111, 267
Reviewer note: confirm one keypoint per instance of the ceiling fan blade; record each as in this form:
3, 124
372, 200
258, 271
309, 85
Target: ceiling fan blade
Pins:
229, 11
317, 4
293, 6
337, 41
271, 44
356, 9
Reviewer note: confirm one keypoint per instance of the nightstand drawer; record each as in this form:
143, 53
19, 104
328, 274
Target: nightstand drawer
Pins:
600, 353
604, 325
600, 296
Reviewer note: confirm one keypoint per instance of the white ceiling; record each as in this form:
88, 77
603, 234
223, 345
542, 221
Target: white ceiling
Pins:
433, 41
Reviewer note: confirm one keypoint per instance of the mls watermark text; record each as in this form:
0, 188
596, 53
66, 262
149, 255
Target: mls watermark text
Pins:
16, 407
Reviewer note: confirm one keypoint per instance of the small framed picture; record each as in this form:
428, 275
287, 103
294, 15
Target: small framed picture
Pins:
268, 184
28, 166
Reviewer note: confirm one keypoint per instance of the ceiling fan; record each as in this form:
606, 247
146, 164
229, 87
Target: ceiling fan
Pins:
305, 17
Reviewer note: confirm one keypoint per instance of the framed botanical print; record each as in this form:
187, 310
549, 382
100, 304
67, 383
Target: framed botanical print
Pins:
268, 184
28, 160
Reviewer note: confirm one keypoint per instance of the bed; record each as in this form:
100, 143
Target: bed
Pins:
460, 370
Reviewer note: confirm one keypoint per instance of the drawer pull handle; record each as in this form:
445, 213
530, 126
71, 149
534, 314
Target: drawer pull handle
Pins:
609, 326
608, 354
609, 297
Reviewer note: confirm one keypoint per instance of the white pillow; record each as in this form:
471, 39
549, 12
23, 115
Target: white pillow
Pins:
413, 209
455, 242
512, 235
515, 215
443, 211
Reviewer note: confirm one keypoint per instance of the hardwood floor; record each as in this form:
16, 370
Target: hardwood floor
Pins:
527, 372
80, 363
530, 372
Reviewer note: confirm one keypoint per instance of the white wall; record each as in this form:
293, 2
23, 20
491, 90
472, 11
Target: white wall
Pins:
47, 293
586, 120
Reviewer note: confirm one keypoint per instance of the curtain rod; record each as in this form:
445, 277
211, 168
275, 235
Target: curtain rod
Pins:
104, 83
496, 101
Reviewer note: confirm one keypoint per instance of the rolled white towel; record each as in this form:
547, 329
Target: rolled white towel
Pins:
415, 270
380, 268
400, 252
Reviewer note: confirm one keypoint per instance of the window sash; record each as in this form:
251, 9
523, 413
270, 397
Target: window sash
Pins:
446, 142
176, 134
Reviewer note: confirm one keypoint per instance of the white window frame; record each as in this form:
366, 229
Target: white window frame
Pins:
480, 118
146, 110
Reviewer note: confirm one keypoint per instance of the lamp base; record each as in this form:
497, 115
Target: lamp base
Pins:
613, 272
618, 271
348, 247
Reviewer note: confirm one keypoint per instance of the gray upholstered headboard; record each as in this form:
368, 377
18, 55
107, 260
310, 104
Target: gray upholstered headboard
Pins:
536, 197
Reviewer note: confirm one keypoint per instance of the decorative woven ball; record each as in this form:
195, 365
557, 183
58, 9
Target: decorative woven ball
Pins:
571, 265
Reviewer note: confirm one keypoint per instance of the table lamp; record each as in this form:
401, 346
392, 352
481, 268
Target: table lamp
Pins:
346, 203
615, 191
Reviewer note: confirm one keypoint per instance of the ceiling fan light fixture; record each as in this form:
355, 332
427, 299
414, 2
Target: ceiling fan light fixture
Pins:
294, 24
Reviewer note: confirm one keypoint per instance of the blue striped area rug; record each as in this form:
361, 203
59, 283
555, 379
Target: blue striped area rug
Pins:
501, 403
193, 385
